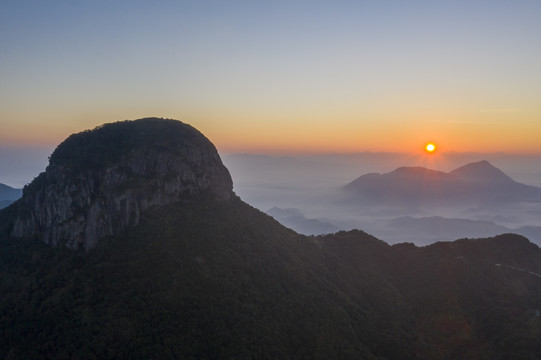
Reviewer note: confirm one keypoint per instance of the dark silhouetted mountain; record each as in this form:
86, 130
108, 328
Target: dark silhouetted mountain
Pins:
98, 182
202, 275
294, 219
475, 184
452, 295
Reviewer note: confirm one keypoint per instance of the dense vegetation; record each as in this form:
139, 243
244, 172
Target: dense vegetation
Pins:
109, 143
208, 279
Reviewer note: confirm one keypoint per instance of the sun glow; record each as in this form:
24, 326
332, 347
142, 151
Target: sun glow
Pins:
430, 148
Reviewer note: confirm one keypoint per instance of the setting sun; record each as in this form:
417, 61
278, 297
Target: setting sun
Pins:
430, 147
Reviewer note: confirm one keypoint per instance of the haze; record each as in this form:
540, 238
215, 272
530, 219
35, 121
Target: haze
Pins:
304, 192
369, 82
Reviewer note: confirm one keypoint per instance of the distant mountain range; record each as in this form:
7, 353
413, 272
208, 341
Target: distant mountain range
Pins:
427, 230
8, 195
421, 231
475, 184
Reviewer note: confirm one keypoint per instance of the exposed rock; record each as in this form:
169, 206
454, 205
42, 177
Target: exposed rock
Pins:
99, 182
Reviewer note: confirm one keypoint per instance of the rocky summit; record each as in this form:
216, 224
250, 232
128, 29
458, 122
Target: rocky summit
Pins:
98, 182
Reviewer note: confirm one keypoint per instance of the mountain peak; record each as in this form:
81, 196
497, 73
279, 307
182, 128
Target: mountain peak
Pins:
475, 184
417, 171
480, 171
99, 181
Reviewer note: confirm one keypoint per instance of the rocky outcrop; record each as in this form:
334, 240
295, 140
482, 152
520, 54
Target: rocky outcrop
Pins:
99, 182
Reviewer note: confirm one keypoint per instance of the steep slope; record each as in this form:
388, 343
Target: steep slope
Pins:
179, 268
99, 182
199, 278
217, 279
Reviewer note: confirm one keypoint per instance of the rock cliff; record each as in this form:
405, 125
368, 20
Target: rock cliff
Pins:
98, 182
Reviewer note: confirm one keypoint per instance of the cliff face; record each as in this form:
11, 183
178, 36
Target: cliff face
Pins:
99, 182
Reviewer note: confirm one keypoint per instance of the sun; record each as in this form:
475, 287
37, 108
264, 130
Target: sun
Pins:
430, 148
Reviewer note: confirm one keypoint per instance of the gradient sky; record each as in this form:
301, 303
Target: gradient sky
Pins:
278, 76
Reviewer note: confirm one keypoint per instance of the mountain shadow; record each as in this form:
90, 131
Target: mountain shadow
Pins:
197, 273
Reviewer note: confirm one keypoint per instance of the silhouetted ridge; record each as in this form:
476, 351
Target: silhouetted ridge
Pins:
99, 181
481, 171
109, 143
475, 184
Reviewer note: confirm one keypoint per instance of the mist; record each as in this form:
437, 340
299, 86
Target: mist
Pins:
304, 192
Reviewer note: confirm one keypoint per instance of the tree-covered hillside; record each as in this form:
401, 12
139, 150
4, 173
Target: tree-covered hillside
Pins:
213, 279
201, 279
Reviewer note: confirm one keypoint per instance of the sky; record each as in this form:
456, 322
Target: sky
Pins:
278, 76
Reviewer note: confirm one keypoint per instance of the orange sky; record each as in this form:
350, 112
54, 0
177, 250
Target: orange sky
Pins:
282, 134
280, 76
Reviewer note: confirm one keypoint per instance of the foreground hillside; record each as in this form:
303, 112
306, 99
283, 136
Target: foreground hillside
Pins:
206, 276
218, 279
200, 278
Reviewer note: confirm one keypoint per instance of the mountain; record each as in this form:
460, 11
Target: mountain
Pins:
475, 184
481, 171
452, 296
197, 273
8, 195
99, 182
